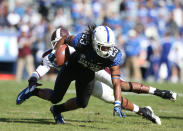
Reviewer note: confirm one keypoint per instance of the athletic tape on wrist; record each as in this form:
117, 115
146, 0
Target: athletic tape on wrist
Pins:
115, 77
117, 103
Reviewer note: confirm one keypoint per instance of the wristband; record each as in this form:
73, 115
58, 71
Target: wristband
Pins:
36, 75
117, 103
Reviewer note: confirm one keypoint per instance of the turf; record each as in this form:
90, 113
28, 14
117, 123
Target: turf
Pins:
34, 114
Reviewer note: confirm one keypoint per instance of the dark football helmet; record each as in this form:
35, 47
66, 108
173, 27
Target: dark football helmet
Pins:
59, 33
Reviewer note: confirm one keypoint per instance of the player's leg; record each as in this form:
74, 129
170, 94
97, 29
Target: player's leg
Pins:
47, 94
62, 83
141, 88
146, 112
105, 93
44, 93
105, 77
84, 87
81, 101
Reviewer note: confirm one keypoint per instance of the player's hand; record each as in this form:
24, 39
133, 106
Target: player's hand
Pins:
51, 57
33, 81
117, 110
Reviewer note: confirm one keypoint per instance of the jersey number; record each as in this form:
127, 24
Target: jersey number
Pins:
113, 52
83, 39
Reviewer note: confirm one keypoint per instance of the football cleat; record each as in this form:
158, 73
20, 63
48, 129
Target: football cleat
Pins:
148, 113
166, 94
25, 94
58, 117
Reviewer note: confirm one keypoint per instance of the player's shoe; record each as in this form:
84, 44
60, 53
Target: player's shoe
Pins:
166, 94
25, 94
58, 117
148, 113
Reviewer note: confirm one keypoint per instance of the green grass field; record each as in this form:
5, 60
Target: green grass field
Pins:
34, 114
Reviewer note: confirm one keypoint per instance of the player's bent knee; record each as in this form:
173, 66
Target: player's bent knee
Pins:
55, 100
55, 97
82, 104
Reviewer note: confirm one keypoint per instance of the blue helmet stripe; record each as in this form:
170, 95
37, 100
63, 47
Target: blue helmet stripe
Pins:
107, 34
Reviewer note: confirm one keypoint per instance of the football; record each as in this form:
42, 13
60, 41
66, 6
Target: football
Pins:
62, 55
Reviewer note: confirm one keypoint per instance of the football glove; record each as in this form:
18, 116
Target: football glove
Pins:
33, 81
117, 109
51, 57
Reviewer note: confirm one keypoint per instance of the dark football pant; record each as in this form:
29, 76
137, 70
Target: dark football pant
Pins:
84, 83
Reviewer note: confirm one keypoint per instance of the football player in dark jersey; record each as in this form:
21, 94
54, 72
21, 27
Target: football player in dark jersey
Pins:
95, 50
100, 75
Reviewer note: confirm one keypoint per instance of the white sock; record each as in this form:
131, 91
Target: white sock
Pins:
151, 90
136, 108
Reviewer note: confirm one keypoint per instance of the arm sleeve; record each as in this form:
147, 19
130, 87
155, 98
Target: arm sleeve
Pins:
44, 68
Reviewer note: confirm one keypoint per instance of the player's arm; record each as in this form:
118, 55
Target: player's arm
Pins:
41, 70
37, 74
115, 76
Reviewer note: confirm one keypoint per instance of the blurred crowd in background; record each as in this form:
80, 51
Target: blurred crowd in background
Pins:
148, 32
